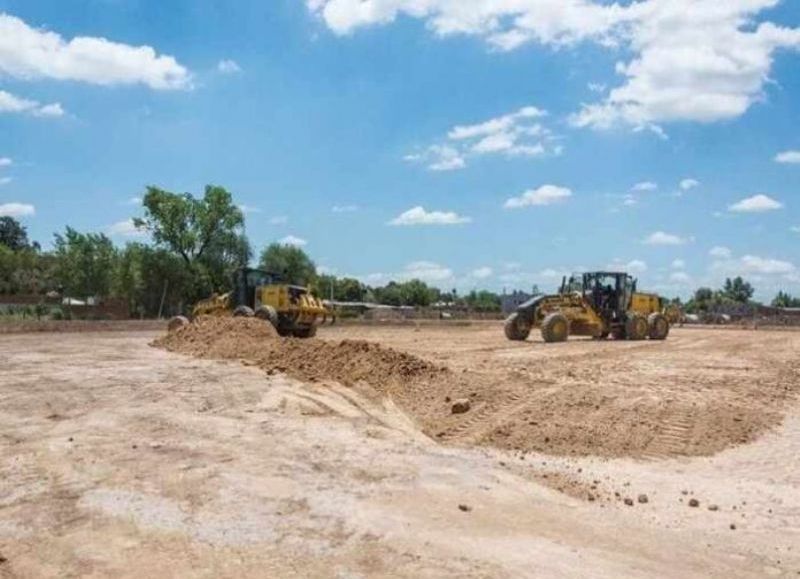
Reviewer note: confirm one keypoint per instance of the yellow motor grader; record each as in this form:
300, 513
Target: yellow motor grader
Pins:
597, 304
292, 309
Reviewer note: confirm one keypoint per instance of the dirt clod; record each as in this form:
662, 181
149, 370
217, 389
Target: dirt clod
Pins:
464, 508
713, 507
694, 503
628, 501
461, 406
642, 499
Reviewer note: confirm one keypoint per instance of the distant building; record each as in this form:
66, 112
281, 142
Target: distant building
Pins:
509, 302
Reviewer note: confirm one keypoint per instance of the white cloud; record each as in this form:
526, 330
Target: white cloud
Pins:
426, 271
678, 264
10, 103
644, 186
5, 162
629, 200
633, 266
249, 209
766, 266
789, 157
293, 240
662, 238
125, 228
692, 60
17, 210
517, 134
597, 87
544, 195
482, 272
795, 228
29, 53
689, 184
439, 158
278, 220
228, 66
680, 277
419, 216
5, 180
720, 252
753, 265
755, 204
344, 208
133, 201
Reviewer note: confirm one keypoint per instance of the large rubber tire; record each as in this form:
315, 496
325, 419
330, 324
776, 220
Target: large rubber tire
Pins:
658, 326
176, 323
516, 328
307, 332
555, 328
618, 333
243, 312
268, 314
636, 327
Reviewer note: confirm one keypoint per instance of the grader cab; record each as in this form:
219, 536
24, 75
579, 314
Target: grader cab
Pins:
597, 304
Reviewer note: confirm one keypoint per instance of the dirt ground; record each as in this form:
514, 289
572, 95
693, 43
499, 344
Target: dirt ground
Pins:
580, 459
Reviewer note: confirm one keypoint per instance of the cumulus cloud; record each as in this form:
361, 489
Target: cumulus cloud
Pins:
293, 240
662, 238
753, 265
125, 228
29, 53
10, 103
439, 158
228, 66
5, 180
427, 271
5, 162
517, 134
720, 252
788, 157
482, 272
689, 184
680, 277
755, 204
644, 186
692, 60
678, 264
419, 216
17, 210
544, 195
344, 208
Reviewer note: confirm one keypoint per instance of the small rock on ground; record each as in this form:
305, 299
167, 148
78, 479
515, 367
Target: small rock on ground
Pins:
643, 499
694, 503
465, 508
461, 406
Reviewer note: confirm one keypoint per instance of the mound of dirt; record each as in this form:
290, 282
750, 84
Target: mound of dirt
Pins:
348, 361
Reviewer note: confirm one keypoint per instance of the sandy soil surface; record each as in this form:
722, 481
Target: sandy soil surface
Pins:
120, 459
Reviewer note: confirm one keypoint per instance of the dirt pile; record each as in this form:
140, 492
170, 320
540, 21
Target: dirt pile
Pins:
348, 361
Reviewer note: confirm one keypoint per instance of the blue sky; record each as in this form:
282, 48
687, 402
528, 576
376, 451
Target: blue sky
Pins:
474, 144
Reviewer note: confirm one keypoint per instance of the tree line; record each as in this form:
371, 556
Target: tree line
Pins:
197, 244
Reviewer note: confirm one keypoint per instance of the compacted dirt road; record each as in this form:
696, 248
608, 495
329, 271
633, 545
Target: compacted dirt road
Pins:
121, 459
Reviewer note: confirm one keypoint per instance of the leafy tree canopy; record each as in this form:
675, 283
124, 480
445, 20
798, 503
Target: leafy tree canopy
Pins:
290, 261
13, 234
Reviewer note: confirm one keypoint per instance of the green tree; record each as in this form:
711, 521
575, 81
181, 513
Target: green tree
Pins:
84, 263
784, 300
12, 234
152, 280
289, 261
738, 290
483, 301
188, 226
207, 234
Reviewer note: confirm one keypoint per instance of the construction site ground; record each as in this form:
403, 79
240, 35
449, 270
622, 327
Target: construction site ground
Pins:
225, 451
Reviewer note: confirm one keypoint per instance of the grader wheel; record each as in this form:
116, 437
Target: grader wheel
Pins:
516, 328
243, 312
268, 314
658, 326
177, 322
555, 328
636, 327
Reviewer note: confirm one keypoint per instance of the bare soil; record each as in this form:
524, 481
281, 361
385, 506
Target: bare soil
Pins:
324, 458
690, 395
